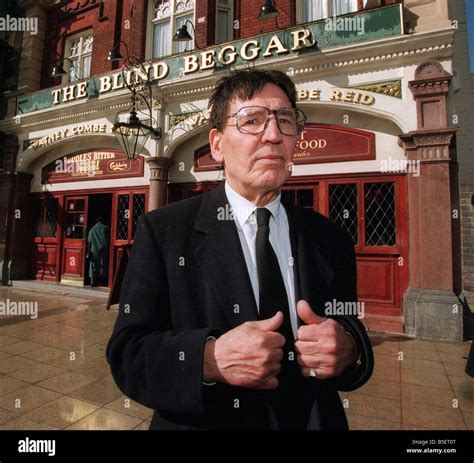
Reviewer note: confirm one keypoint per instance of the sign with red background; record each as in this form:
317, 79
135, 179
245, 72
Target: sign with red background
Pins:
318, 143
92, 165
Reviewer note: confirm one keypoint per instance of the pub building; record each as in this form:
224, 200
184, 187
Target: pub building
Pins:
376, 155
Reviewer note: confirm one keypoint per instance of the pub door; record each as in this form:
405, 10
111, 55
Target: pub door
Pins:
127, 208
100, 205
74, 240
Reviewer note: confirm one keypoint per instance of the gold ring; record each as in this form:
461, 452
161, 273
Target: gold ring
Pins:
313, 373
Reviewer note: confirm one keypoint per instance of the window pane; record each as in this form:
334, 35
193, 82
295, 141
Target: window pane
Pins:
380, 228
343, 6
123, 214
161, 39
343, 208
223, 26
80, 205
179, 47
73, 70
51, 220
183, 5
314, 10
162, 9
138, 210
87, 43
86, 70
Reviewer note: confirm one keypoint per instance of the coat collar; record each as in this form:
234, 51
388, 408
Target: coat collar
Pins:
218, 251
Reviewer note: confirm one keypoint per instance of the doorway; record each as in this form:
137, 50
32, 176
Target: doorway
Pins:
100, 207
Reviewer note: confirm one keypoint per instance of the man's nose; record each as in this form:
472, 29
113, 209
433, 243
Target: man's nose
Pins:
272, 132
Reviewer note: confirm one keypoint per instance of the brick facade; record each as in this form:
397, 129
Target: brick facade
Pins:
111, 22
250, 25
128, 20
461, 111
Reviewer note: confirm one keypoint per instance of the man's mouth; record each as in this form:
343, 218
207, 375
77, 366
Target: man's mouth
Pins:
271, 157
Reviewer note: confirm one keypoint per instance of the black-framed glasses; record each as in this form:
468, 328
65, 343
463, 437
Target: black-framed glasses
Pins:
254, 120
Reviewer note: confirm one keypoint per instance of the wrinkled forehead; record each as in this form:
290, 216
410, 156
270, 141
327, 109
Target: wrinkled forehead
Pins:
270, 96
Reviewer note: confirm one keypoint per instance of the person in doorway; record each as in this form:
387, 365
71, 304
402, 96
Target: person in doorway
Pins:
98, 252
227, 316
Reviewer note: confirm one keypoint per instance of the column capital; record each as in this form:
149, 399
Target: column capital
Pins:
159, 167
428, 145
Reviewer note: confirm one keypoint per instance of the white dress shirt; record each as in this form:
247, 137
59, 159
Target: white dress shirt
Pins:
245, 217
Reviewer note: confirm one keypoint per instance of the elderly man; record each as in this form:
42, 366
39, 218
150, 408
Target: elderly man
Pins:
221, 322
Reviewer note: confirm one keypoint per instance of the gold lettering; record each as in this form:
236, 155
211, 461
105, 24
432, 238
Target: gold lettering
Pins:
336, 95
221, 57
81, 90
314, 94
253, 53
207, 58
302, 36
347, 97
68, 93
191, 64
142, 74
117, 82
302, 94
55, 94
275, 43
367, 99
105, 84
160, 70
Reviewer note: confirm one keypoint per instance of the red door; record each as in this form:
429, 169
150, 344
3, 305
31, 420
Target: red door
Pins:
373, 211
74, 239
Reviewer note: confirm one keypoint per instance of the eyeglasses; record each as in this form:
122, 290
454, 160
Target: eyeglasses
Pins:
254, 119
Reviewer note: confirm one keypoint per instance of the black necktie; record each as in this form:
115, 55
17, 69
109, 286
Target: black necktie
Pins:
272, 289
287, 401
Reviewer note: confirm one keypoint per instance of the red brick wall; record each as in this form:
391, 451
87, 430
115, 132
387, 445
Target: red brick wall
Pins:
126, 20
110, 21
250, 25
205, 30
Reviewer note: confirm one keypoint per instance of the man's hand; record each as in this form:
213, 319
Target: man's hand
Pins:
246, 356
322, 344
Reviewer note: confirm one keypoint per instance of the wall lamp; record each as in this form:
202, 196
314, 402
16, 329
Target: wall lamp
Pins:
182, 34
268, 10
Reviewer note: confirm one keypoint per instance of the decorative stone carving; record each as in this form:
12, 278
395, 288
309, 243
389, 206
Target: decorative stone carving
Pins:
429, 68
393, 88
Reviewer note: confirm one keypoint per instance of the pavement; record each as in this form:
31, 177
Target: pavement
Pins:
53, 372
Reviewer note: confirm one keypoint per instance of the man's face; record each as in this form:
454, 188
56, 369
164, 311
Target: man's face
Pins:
255, 164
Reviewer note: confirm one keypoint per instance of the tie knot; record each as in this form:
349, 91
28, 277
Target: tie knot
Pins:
263, 216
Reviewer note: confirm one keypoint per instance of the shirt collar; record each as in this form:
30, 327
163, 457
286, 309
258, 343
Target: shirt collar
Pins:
242, 208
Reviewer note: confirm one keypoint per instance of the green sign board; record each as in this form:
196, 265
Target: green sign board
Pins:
307, 38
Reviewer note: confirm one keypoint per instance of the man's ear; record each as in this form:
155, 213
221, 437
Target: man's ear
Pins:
215, 138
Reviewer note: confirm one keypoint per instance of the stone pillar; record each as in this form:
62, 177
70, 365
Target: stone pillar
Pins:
10, 146
159, 168
16, 258
431, 307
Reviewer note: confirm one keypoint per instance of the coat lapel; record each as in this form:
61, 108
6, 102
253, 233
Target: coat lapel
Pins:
219, 253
